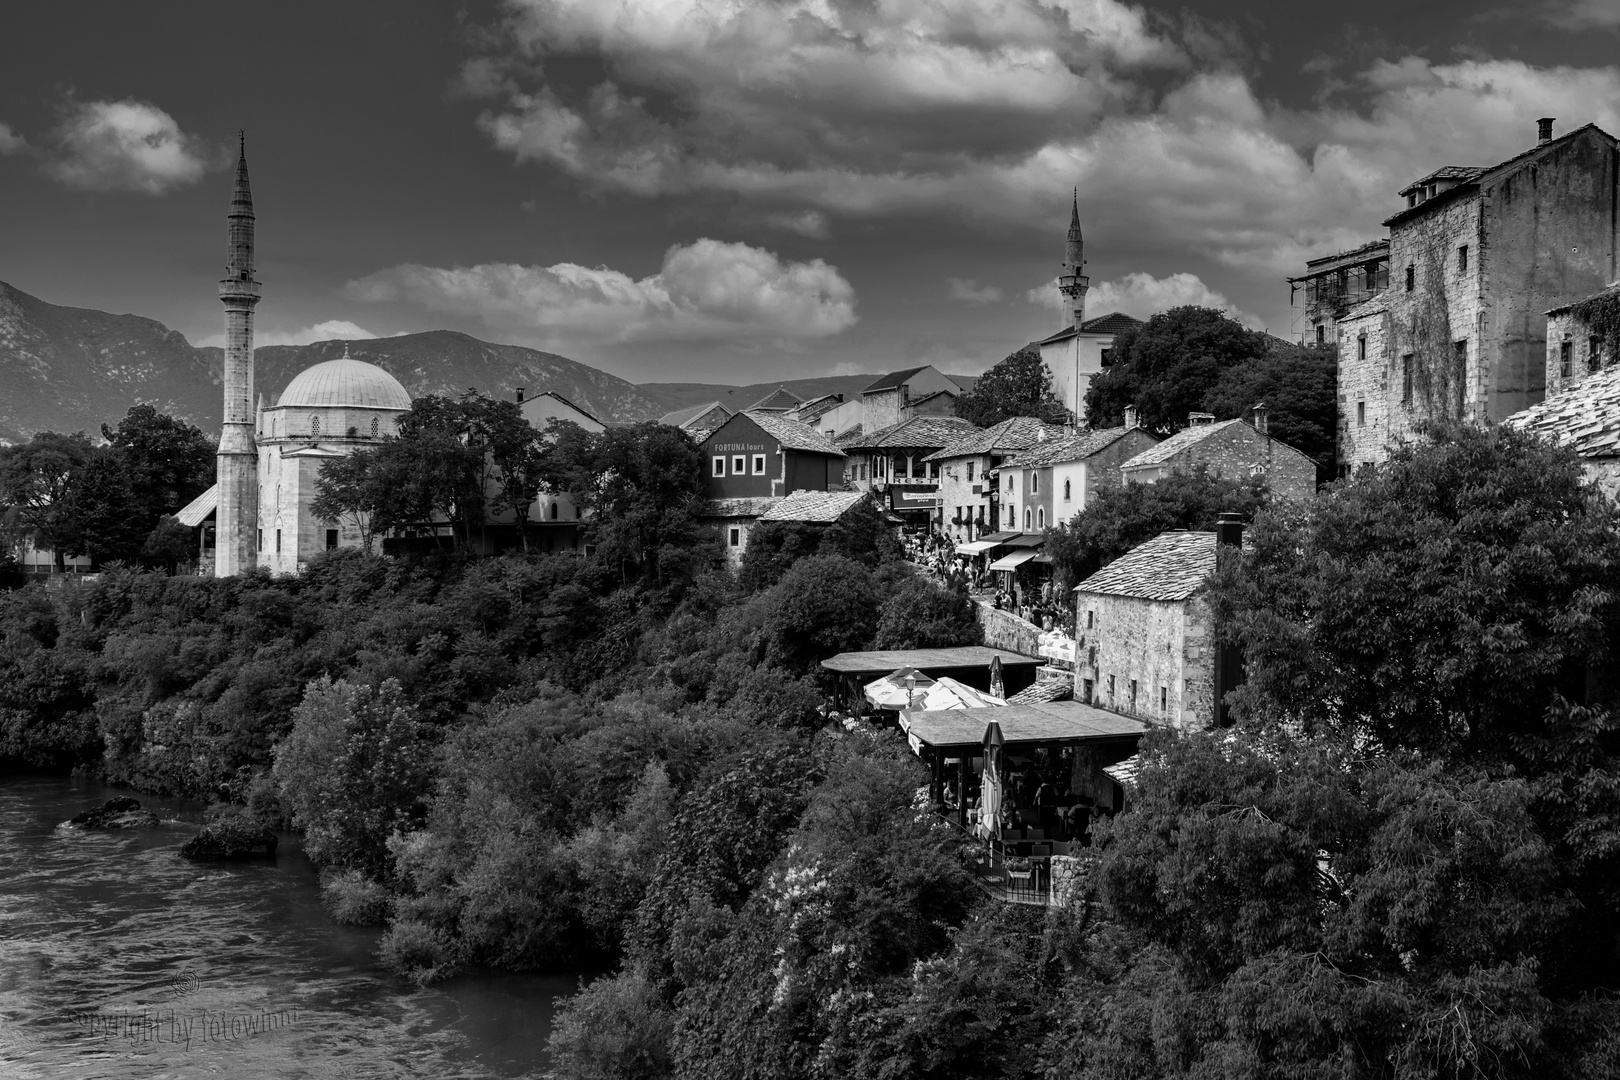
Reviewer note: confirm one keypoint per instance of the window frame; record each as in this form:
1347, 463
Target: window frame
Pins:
759, 464
1411, 277
1361, 414
1594, 354
719, 465
1406, 379
739, 464
734, 537
1566, 358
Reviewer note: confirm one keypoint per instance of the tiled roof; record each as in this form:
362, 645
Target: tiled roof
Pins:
809, 412
780, 398
1075, 447
1175, 444
1611, 289
1048, 690
583, 412
792, 434
920, 432
1470, 176
849, 438
1585, 418
1447, 172
195, 511
1171, 566
752, 506
813, 506
1112, 323
681, 417
892, 380
1014, 433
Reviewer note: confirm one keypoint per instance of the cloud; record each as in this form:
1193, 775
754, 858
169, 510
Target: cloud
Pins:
1144, 295
969, 291
331, 330
705, 291
126, 146
1583, 14
989, 111
10, 141
811, 223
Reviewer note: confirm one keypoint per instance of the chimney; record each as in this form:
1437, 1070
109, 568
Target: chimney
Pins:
1544, 129
1229, 672
1261, 424
1199, 419
1130, 418
520, 395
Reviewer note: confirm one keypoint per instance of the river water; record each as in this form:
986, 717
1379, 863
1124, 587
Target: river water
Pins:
120, 959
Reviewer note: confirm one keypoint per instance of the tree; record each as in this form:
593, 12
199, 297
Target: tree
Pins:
98, 515
1168, 366
169, 545
824, 604
35, 479
1019, 385
169, 462
1123, 516
921, 615
1298, 384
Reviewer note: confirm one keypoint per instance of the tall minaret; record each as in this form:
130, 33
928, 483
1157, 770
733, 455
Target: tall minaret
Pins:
1072, 283
237, 521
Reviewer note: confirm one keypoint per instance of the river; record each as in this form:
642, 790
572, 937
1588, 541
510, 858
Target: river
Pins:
120, 959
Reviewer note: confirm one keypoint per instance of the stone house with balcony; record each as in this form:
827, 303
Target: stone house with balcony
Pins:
969, 502
1055, 479
1230, 448
1332, 285
1477, 256
893, 461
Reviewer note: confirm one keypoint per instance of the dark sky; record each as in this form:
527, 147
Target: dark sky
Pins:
740, 190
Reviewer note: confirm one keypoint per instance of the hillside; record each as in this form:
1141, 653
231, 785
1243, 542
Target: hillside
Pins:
740, 397
72, 369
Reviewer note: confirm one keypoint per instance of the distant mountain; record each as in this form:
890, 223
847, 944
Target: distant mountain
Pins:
741, 397
72, 369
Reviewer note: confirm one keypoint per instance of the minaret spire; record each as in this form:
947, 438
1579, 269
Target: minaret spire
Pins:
237, 464
1072, 281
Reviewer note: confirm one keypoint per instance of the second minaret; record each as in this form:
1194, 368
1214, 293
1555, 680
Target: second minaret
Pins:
237, 520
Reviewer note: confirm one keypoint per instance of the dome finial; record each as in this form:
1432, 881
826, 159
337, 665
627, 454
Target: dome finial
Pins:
345, 350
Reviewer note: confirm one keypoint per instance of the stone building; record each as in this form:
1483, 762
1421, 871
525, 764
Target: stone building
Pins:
1586, 419
1331, 286
698, 421
1476, 257
969, 503
895, 455
1144, 638
754, 460
1579, 338
1230, 448
1055, 479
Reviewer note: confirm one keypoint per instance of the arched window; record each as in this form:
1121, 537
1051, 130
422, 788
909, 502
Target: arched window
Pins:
373, 427
1035, 482
553, 511
1040, 518
315, 426
1066, 490
1026, 519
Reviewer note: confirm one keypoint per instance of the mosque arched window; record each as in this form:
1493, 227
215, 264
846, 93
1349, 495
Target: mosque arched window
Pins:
554, 511
373, 427
315, 426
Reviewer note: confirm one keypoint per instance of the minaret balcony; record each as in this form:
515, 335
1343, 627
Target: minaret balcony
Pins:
1069, 284
238, 289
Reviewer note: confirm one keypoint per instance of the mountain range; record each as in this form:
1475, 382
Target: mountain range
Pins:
74, 369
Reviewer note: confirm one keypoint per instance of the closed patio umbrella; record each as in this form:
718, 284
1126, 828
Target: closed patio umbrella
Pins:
998, 686
990, 793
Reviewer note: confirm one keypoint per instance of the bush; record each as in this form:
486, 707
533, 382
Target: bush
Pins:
353, 899
921, 615
616, 1028
421, 952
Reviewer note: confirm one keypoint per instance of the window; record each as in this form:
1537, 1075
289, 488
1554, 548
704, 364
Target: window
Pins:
1040, 518
1462, 259
737, 465
1110, 689
1321, 334
719, 465
578, 513
1361, 414
1459, 374
261, 539
1035, 482
331, 539
1164, 699
933, 470
314, 426
1594, 358
1026, 519
970, 470
1066, 490
1009, 482
373, 427
1361, 347
1411, 277
1406, 379
1091, 619
278, 541
759, 465
1085, 691
736, 536
1566, 351
1133, 693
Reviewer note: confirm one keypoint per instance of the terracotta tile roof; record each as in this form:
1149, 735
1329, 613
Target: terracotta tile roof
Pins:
1171, 566
1175, 444
810, 411
813, 506
792, 434
1015, 433
1112, 323
892, 380
920, 432
1075, 447
1585, 418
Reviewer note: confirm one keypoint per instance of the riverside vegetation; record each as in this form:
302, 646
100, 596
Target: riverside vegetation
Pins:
1404, 860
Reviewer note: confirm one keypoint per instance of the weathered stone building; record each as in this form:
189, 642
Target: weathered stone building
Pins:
968, 500
1581, 339
1476, 257
1055, 479
1230, 448
1331, 286
1586, 419
1144, 639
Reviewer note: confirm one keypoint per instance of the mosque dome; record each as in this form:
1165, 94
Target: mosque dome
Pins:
345, 383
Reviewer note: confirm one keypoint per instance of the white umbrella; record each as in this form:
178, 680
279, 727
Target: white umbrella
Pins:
990, 796
897, 690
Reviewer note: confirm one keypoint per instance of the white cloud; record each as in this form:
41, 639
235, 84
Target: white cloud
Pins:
707, 290
10, 141
1584, 14
1144, 295
126, 146
969, 291
331, 330
811, 223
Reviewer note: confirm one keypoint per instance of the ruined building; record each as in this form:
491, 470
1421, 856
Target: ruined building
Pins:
1477, 256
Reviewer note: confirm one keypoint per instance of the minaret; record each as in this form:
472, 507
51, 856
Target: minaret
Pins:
1072, 282
237, 520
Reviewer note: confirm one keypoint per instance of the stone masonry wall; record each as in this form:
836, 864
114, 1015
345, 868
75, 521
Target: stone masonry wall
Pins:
1004, 630
1163, 645
1563, 326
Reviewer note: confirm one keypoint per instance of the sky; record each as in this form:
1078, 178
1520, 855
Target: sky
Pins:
741, 190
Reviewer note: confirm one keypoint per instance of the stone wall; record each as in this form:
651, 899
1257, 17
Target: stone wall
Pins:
1004, 630
1165, 647
1072, 875
1564, 328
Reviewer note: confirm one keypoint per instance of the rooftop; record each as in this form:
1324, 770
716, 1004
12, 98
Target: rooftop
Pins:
1585, 418
1175, 444
1112, 323
892, 380
792, 434
1467, 177
920, 432
681, 417
1036, 722
1171, 566
744, 507
347, 383
1014, 433
1076, 447
1372, 249
815, 506
882, 661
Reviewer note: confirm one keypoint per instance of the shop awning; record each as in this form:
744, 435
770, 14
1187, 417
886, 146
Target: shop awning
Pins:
1027, 540
1013, 561
976, 547
999, 537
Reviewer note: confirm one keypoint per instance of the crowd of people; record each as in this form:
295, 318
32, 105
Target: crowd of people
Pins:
1034, 603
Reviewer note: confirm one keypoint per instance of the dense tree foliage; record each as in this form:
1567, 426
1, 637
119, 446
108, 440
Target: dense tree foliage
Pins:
861, 534
1019, 385
1299, 386
1121, 517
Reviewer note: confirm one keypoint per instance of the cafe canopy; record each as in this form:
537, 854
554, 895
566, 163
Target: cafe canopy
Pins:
1048, 723
1014, 560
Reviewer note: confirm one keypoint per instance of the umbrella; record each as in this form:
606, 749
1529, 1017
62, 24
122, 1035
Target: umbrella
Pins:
990, 799
947, 693
998, 686
897, 690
